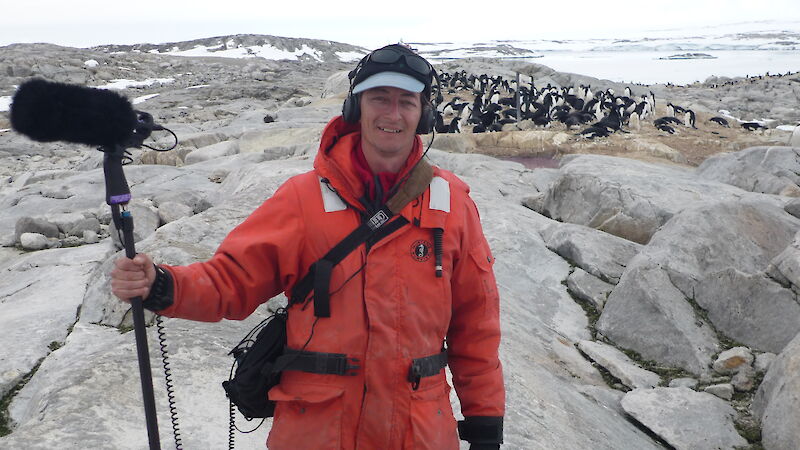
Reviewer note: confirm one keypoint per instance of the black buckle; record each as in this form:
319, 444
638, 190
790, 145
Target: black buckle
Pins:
350, 369
414, 375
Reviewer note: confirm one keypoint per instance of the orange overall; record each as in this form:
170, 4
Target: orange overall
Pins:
387, 307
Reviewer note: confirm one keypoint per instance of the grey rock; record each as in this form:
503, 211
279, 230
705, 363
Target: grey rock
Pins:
213, 151
38, 310
751, 309
770, 170
627, 198
723, 390
684, 418
763, 361
589, 288
33, 241
619, 365
34, 225
653, 294
777, 401
88, 224
648, 314
744, 379
689, 383
793, 206
785, 267
172, 211
145, 221
65, 221
534, 202
794, 139
262, 140
601, 254
336, 85
90, 237
732, 360
543, 178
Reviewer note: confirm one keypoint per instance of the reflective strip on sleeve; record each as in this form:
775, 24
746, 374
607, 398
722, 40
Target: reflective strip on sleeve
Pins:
440, 194
331, 201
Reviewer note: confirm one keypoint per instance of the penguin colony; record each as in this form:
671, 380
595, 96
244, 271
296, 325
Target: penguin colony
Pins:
483, 103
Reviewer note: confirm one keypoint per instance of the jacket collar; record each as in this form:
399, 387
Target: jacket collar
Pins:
334, 161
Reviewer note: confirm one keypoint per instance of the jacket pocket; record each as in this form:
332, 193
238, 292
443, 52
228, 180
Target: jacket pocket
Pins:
432, 423
482, 257
307, 416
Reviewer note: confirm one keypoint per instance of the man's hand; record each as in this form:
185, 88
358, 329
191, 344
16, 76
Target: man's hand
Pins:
133, 277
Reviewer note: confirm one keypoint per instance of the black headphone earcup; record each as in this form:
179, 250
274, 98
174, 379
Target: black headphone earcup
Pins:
426, 121
351, 110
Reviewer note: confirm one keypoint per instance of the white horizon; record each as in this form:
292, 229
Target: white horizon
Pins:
93, 22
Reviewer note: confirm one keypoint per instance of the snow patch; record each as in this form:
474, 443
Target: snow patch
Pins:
143, 98
91, 63
5, 103
125, 84
198, 86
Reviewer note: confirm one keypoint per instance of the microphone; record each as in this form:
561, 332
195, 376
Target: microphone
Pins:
48, 111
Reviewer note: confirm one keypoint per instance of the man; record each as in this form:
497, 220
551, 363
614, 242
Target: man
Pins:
390, 304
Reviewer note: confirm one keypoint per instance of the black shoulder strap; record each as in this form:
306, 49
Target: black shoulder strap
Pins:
318, 277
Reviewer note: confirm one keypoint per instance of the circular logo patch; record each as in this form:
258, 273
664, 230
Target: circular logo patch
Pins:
421, 251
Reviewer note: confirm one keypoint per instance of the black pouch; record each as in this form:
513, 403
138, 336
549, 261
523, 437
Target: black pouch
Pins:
252, 373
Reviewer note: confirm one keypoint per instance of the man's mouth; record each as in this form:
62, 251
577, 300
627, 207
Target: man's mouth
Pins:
388, 130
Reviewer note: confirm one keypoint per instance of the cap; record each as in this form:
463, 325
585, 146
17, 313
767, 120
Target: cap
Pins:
391, 79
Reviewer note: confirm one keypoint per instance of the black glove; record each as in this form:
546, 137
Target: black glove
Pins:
482, 432
484, 446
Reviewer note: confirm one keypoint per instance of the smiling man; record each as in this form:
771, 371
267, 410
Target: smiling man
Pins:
370, 332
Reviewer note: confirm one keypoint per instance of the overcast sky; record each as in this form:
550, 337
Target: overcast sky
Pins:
366, 22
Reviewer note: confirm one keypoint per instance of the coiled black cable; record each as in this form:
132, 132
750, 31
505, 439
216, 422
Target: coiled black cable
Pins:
173, 411
231, 427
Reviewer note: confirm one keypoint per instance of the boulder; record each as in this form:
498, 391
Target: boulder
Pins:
33, 241
336, 85
770, 170
648, 314
589, 288
750, 308
763, 361
34, 225
601, 254
627, 198
172, 211
262, 140
685, 419
794, 139
777, 401
212, 151
732, 360
87, 224
619, 365
731, 241
723, 391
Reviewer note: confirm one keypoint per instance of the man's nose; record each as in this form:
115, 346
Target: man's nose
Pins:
394, 109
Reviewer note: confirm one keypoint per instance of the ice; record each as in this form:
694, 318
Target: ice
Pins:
143, 98
5, 103
125, 84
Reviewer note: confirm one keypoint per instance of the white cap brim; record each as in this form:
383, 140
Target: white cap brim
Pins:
390, 79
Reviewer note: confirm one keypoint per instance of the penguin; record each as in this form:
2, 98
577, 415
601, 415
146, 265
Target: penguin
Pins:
455, 126
753, 126
689, 119
634, 122
720, 121
593, 132
667, 120
666, 128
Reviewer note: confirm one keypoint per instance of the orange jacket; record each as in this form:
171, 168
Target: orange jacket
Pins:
393, 310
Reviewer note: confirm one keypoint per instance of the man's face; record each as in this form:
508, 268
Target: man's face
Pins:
389, 118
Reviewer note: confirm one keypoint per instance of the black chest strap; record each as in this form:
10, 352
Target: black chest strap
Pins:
318, 277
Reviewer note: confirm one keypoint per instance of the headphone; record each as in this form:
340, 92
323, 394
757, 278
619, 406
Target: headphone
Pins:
351, 109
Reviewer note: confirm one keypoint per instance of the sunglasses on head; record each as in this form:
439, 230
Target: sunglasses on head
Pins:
391, 56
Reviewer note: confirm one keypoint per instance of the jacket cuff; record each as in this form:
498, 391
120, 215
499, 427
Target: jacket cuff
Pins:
160, 296
481, 430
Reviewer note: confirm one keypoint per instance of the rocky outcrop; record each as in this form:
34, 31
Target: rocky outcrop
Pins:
685, 419
769, 170
777, 403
